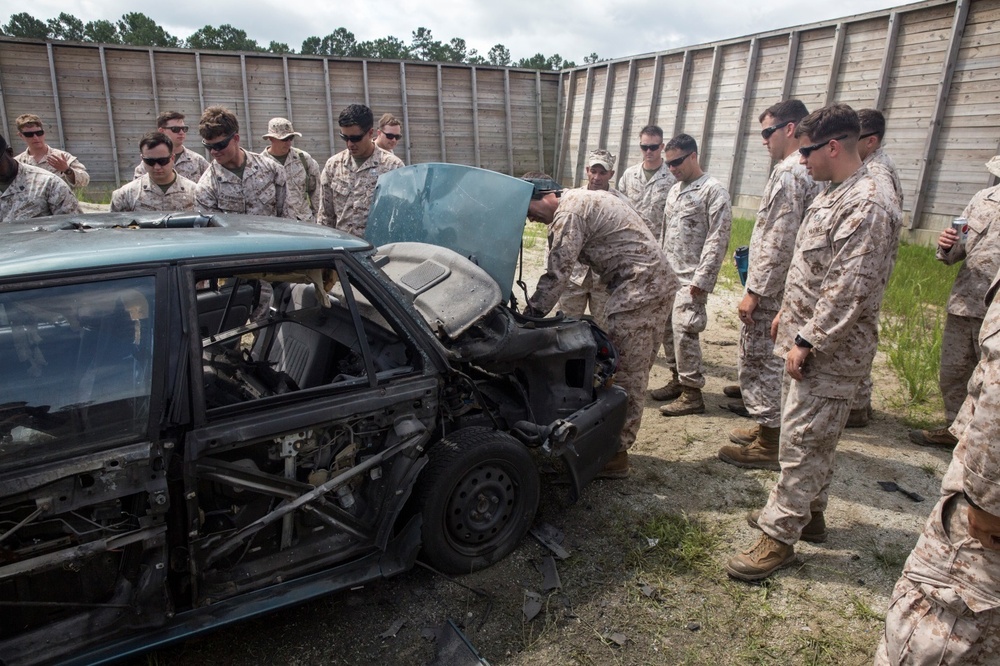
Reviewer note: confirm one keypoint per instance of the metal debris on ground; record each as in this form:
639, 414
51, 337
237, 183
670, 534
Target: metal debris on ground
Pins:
454, 649
550, 575
892, 486
393, 629
551, 537
616, 637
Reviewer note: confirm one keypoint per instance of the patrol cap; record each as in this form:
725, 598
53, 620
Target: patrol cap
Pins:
993, 166
280, 128
602, 157
543, 186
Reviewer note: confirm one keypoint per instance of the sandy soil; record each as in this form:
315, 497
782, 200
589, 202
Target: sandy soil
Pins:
612, 609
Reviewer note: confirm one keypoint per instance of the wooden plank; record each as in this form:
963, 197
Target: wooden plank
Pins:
364, 78
111, 117
55, 95
8, 135
201, 85
609, 89
329, 104
888, 55
654, 101
682, 93
581, 151
710, 105
248, 133
507, 122
406, 110
790, 63
627, 124
835, 56
288, 90
954, 42
440, 94
152, 76
475, 119
738, 148
540, 134
562, 128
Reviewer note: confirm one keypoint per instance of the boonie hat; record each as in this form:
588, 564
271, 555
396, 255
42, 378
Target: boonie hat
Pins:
280, 128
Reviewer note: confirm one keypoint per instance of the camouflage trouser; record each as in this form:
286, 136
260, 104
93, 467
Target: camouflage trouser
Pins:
863, 397
959, 357
760, 371
688, 318
577, 297
921, 629
636, 336
811, 425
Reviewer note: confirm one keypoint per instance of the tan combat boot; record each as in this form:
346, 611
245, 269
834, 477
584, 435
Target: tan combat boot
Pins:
744, 435
669, 391
813, 532
732, 391
617, 467
762, 453
761, 560
938, 437
690, 402
859, 418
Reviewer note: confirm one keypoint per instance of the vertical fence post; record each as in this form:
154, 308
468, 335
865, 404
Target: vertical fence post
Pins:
440, 91
888, 54
654, 98
156, 88
406, 110
934, 131
507, 122
539, 135
588, 105
838, 52
710, 106
682, 93
747, 87
609, 85
364, 78
793, 57
627, 118
288, 89
563, 128
3, 114
475, 119
201, 85
111, 118
55, 95
329, 105
246, 103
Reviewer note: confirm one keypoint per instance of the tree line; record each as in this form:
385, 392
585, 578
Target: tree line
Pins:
137, 29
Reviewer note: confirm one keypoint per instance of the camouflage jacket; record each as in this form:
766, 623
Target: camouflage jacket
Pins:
347, 189
835, 282
35, 192
261, 191
75, 165
880, 165
187, 163
961, 565
603, 232
647, 196
145, 195
697, 221
981, 252
789, 191
581, 271
302, 181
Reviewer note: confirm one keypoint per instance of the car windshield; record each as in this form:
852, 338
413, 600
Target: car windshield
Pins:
77, 363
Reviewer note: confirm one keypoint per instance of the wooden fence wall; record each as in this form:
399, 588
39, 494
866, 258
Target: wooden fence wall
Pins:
932, 68
97, 101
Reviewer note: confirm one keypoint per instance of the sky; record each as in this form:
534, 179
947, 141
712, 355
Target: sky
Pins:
573, 29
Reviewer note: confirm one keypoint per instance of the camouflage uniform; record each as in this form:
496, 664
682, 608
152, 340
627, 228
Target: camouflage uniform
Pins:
302, 181
981, 251
944, 608
347, 189
36, 193
789, 191
75, 165
697, 222
881, 166
261, 191
187, 163
585, 288
833, 292
608, 235
648, 196
145, 195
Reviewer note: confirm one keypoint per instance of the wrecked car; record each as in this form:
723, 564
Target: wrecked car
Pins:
203, 419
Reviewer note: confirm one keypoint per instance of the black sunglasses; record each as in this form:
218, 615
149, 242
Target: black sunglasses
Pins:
32, 134
353, 139
680, 160
806, 151
151, 161
177, 129
653, 146
391, 137
768, 131
218, 145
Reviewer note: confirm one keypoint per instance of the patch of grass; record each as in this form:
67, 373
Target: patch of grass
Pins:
682, 545
930, 469
889, 557
912, 323
740, 235
534, 232
863, 611
94, 194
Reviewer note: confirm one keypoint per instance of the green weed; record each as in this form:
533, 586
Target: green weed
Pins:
740, 235
682, 544
534, 232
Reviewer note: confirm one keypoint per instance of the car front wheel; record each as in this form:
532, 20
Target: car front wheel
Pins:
478, 497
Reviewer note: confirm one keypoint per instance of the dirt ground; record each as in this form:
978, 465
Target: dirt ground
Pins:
616, 602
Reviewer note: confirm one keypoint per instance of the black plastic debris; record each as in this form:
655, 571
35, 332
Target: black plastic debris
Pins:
454, 649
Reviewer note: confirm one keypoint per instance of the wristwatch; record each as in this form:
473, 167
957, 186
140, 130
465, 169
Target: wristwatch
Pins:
802, 342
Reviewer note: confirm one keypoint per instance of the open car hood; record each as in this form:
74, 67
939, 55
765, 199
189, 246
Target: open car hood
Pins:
477, 213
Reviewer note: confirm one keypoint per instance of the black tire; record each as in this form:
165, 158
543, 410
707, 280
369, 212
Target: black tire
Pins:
465, 532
